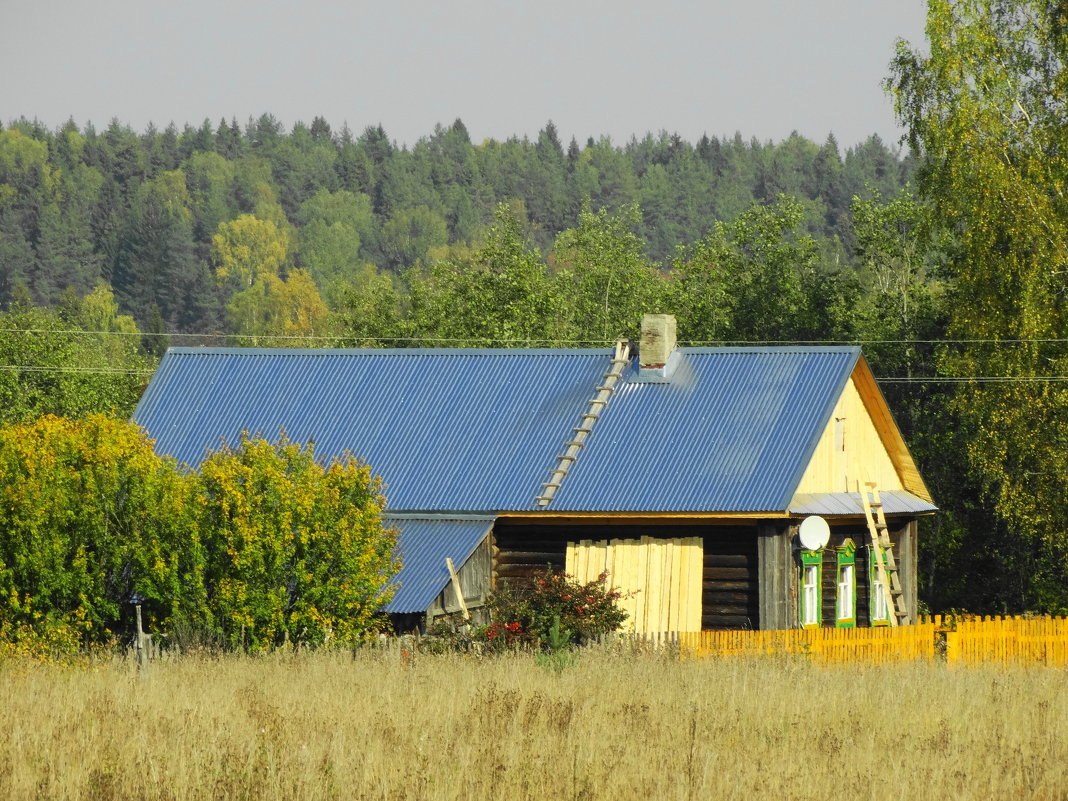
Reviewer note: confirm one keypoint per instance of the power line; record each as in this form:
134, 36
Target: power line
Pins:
881, 379
713, 342
975, 379
336, 338
27, 368
468, 340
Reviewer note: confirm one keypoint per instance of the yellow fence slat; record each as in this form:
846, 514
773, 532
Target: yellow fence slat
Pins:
696, 579
1009, 641
828, 646
641, 586
627, 577
1001, 641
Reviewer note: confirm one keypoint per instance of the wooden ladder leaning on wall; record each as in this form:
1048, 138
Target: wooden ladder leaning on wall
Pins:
882, 551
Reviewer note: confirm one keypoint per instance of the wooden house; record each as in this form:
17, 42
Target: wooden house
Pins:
683, 472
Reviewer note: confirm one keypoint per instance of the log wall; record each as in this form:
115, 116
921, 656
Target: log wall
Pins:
730, 597
731, 587
903, 538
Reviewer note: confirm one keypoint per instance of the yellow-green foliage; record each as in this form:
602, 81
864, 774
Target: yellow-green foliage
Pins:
262, 547
611, 727
296, 552
984, 103
85, 508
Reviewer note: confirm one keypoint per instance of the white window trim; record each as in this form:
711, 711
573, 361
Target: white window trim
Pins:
810, 593
878, 595
846, 585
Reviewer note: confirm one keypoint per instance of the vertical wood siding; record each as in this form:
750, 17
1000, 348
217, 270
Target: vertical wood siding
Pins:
864, 457
660, 579
474, 577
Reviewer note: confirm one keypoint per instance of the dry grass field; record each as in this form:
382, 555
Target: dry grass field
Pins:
612, 726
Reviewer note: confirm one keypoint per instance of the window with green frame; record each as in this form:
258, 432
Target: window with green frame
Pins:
878, 612
846, 603
811, 596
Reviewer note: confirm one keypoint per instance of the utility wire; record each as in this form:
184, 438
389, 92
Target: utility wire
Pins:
26, 368
988, 379
468, 340
975, 379
310, 337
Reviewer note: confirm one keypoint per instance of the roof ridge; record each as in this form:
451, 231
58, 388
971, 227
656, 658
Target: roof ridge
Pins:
221, 350
356, 352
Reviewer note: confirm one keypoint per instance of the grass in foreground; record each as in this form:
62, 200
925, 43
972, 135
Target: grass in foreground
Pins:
613, 726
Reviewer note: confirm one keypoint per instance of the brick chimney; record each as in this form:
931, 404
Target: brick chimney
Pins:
656, 346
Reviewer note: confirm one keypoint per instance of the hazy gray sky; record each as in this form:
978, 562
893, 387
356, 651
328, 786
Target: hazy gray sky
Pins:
615, 67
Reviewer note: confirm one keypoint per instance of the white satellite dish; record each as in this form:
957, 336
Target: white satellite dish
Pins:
814, 533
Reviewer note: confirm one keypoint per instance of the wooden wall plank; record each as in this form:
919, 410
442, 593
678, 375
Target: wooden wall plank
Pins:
661, 578
866, 456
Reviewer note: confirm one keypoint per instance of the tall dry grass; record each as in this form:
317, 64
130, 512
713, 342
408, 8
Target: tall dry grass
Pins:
613, 726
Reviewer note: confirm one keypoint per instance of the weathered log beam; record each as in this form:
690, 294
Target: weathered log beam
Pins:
728, 609
715, 597
518, 571
730, 560
729, 574
527, 557
729, 586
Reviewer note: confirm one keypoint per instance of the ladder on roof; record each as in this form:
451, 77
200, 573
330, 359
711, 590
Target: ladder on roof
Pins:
620, 359
882, 551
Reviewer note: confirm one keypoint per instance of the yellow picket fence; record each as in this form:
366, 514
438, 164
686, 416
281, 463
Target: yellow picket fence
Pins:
962, 640
1005, 640
875, 646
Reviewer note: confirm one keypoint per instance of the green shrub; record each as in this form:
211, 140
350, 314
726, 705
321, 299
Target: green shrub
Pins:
294, 552
88, 515
556, 601
262, 547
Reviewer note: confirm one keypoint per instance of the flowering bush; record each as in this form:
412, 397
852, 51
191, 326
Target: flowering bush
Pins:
582, 612
500, 636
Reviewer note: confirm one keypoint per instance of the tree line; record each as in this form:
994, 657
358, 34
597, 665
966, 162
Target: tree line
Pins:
160, 215
955, 283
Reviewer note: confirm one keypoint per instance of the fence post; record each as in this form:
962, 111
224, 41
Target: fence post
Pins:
142, 651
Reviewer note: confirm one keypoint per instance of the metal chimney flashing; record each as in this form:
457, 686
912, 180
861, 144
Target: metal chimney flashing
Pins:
658, 375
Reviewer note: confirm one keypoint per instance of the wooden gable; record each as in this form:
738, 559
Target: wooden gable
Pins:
860, 443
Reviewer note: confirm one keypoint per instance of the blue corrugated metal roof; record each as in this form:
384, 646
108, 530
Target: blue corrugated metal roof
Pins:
424, 545
478, 430
733, 430
448, 430
895, 502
